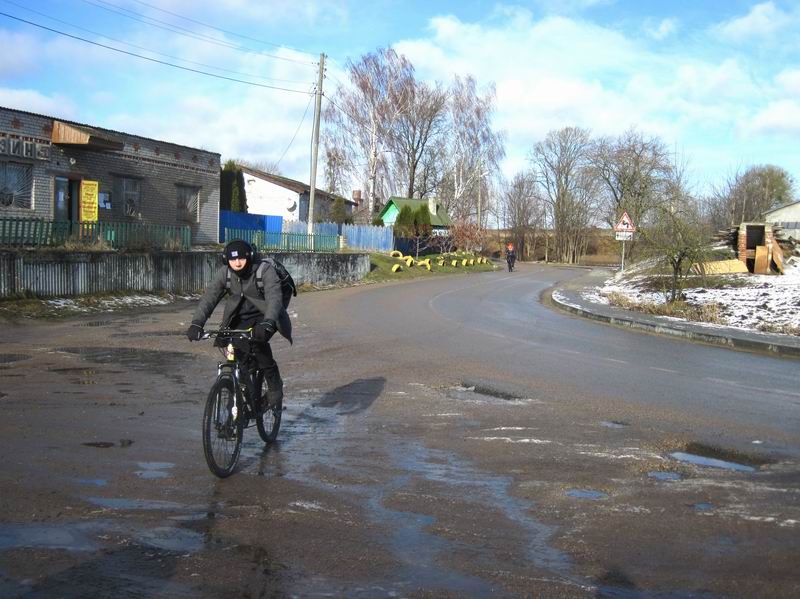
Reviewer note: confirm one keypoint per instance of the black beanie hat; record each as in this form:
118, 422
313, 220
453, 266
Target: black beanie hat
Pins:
238, 249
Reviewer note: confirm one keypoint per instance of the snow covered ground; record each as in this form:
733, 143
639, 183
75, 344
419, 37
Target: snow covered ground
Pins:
752, 302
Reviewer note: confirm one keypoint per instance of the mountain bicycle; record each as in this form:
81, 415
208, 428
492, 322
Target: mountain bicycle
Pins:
237, 398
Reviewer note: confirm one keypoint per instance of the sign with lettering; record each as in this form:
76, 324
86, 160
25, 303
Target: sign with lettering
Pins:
89, 196
15, 146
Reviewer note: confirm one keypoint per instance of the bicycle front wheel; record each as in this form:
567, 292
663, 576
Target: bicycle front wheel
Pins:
268, 421
223, 426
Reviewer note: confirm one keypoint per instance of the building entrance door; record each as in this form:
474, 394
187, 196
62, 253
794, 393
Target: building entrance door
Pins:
66, 199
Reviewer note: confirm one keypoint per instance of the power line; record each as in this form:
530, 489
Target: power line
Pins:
310, 97
113, 8
102, 35
169, 64
239, 35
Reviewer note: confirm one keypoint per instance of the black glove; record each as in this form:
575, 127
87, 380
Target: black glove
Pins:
264, 331
195, 332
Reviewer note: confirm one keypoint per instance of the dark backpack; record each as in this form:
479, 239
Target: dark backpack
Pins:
288, 288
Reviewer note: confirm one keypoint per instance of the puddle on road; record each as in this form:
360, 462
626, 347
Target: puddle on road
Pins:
420, 553
478, 394
162, 362
96, 323
585, 494
667, 476
8, 358
68, 536
703, 507
115, 503
99, 444
93, 482
150, 470
614, 424
698, 460
171, 539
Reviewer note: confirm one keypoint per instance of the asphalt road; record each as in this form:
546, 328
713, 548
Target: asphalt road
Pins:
446, 437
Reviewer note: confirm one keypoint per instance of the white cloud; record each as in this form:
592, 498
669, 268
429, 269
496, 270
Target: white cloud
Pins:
762, 20
663, 30
789, 81
778, 118
33, 101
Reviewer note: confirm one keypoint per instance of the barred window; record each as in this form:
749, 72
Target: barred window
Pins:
16, 185
131, 196
188, 203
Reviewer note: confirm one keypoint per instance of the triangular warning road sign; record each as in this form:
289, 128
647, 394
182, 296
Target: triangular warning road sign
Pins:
625, 224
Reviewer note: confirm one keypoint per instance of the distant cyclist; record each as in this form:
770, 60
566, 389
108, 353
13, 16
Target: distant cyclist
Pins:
247, 307
511, 257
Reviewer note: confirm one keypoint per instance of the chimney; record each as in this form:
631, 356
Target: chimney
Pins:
357, 196
432, 206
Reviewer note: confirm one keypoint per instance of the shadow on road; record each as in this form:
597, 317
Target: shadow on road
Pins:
354, 397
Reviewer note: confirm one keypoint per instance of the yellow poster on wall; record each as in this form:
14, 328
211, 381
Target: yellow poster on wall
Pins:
89, 194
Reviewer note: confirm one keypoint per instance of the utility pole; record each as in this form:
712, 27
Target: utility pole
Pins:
315, 150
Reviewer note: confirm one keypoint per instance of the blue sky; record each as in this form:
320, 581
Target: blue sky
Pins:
718, 80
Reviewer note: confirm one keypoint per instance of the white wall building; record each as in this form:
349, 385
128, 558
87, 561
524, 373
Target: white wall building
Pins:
280, 196
786, 216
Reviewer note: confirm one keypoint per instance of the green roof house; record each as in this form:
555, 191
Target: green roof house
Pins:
440, 220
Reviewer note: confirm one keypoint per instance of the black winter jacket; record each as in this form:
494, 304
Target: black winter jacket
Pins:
270, 305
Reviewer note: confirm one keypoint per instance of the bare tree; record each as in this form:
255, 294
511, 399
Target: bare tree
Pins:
361, 116
419, 124
744, 196
634, 170
524, 211
569, 186
266, 166
335, 170
474, 149
676, 235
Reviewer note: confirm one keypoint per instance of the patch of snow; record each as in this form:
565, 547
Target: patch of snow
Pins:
760, 301
511, 440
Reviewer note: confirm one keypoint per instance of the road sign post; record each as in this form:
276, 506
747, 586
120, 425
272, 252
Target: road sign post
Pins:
624, 231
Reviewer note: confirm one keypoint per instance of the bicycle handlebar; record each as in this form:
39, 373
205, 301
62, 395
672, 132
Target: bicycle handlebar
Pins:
240, 333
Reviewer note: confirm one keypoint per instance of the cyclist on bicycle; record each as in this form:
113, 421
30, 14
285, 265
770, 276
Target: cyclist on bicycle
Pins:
511, 256
246, 307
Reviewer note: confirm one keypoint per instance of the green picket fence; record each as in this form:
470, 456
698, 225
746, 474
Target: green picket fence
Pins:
119, 235
284, 242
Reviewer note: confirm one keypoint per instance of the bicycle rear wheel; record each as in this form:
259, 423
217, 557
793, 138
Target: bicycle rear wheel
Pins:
269, 421
223, 426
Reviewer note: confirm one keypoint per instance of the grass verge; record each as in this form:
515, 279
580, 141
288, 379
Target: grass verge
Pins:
701, 313
381, 267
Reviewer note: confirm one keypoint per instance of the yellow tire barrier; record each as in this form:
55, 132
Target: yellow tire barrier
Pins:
396, 254
397, 268
454, 263
440, 263
409, 261
472, 261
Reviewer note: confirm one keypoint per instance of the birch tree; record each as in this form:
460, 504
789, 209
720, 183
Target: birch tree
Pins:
362, 114
474, 149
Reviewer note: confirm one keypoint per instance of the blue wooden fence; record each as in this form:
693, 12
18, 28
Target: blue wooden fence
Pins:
300, 227
243, 220
285, 242
367, 237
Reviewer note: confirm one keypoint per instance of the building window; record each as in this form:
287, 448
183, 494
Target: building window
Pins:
131, 196
16, 185
188, 203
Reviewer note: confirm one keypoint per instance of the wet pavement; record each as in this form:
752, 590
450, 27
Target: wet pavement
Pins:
426, 452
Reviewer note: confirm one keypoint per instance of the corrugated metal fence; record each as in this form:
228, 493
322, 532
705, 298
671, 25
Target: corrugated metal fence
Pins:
62, 274
49, 274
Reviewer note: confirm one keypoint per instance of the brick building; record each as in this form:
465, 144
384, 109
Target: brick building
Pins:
43, 161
